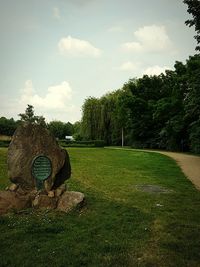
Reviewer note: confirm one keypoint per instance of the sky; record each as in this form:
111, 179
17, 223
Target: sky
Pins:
56, 53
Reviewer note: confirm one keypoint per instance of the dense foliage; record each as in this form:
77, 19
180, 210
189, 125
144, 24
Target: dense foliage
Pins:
60, 129
29, 116
151, 112
194, 10
7, 126
57, 128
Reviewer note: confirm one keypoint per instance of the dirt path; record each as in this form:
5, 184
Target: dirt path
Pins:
189, 164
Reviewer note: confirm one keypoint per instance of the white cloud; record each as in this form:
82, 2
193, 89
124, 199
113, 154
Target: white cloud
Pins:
132, 46
56, 103
155, 70
56, 13
116, 29
129, 66
56, 96
149, 39
78, 48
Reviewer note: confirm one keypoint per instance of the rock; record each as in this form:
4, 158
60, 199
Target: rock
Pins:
13, 187
51, 194
28, 142
13, 201
70, 200
44, 202
21, 191
63, 173
60, 190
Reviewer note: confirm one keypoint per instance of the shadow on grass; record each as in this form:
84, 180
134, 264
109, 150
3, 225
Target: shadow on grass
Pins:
102, 234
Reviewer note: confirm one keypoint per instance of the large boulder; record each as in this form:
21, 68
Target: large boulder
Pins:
13, 201
30, 141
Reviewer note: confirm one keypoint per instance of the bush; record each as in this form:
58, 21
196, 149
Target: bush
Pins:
4, 143
195, 137
88, 143
99, 143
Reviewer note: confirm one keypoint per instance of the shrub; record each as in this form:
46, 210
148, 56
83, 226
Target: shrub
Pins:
4, 143
88, 143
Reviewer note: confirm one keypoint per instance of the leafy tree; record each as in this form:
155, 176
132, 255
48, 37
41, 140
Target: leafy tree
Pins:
194, 10
60, 129
192, 102
29, 116
7, 126
91, 119
77, 131
154, 112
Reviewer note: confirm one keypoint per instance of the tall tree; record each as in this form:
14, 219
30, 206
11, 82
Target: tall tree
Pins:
7, 126
192, 102
60, 129
91, 110
29, 116
194, 10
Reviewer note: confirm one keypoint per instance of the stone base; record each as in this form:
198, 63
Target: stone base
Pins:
59, 199
13, 201
70, 200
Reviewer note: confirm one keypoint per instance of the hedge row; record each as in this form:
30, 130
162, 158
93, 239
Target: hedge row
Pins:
66, 143
4, 143
91, 143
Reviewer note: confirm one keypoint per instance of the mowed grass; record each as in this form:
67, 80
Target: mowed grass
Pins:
119, 225
5, 137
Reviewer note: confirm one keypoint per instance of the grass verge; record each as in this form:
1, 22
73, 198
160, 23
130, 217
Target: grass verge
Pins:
119, 226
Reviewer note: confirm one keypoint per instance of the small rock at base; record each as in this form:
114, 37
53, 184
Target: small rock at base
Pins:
43, 201
11, 200
59, 191
51, 194
70, 200
13, 187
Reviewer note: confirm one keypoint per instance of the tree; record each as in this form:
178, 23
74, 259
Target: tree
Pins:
192, 102
7, 126
57, 129
29, 116
77, 131
60, 129
194, 10
91, 110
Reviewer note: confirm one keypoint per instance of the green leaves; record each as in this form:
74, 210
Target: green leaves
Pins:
29, 116
154, 112
194, 10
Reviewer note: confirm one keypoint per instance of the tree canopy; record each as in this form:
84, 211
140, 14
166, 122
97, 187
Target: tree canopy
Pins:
29, 116
194, 10
153, 111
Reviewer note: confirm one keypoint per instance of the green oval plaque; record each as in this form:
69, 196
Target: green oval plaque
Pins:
41, 168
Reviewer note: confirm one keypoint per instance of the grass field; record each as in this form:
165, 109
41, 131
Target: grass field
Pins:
119, 226
5, 137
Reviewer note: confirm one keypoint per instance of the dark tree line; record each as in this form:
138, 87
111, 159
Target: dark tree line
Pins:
7, 126
57, 128
194, 10
151, 112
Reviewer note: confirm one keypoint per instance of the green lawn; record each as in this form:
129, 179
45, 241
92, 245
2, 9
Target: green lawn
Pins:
119, 226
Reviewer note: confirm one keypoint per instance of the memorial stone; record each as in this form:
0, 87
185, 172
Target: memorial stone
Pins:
35, 159
37, 168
